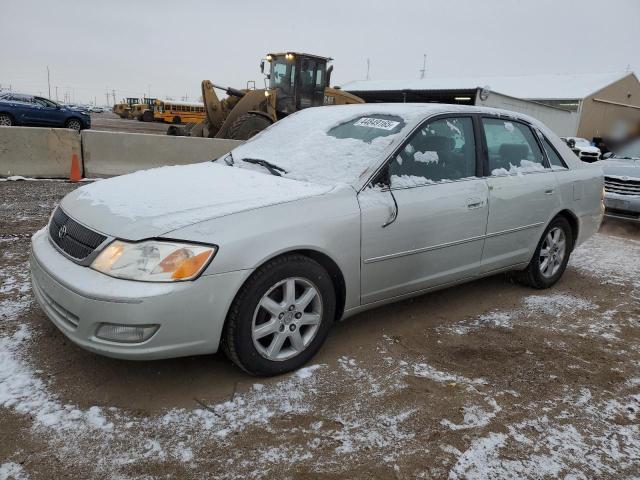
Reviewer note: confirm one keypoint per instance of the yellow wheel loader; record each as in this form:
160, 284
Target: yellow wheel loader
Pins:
296, 81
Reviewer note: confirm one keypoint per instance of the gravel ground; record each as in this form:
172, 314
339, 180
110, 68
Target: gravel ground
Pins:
109, 121
484, 380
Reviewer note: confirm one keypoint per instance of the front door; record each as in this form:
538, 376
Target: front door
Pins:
428, 228
522, 193
311, 83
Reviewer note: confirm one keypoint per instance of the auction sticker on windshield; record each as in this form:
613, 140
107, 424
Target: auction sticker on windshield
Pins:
376, 123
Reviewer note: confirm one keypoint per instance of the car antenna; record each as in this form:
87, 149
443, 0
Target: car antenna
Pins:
394, 215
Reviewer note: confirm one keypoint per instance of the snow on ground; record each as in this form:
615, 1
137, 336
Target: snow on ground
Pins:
580, 434
12, 471
615, 260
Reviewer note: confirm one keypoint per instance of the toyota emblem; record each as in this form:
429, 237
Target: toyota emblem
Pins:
62, 232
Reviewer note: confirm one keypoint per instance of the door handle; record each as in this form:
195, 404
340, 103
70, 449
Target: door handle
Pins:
473, 203
548, 190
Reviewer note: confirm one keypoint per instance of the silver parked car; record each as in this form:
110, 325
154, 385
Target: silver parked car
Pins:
622, 182
329, 212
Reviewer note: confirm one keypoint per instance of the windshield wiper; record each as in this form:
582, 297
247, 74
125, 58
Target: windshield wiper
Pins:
273, 169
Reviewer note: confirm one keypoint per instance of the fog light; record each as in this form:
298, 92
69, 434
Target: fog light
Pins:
126, 333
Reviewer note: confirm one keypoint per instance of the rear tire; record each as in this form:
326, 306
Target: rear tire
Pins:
300, 307
5, 120
248, 125
550, 257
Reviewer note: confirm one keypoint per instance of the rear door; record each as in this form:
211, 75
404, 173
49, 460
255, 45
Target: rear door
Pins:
428, 228
523, 192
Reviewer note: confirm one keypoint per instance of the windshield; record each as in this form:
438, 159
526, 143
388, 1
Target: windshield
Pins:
632, 151
328, 145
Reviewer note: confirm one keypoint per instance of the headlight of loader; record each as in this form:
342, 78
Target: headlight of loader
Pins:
154, 261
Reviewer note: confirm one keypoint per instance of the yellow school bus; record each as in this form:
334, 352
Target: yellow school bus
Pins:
170, 111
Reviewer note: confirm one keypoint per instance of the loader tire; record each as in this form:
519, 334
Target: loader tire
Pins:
147, 116
247, 125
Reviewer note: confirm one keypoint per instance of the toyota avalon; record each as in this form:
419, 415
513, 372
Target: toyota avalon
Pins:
327, 213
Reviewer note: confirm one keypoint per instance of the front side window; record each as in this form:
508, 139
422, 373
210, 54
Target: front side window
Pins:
282, 74
512, 147
443, 150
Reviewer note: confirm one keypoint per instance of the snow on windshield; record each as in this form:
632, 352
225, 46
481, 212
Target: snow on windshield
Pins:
329, 145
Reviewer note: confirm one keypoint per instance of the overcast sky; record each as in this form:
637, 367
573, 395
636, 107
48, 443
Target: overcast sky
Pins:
170, 46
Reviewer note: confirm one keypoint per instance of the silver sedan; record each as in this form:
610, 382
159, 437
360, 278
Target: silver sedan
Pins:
327, 213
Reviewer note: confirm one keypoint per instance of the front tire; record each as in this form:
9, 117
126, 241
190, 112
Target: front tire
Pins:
281, 316
551, 256
74, 124
5, 120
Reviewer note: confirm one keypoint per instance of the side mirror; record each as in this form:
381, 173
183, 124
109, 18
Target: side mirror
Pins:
261, 66
607, 155
572, 143
58, 107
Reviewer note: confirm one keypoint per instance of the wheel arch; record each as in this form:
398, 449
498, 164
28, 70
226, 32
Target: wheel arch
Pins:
330, 265
9, 114
573, 223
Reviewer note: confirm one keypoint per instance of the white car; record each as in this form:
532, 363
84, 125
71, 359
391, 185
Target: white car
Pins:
329, 212
622, 182
583, 149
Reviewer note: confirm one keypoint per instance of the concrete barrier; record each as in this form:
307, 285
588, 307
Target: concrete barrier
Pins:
37, 152
106, 154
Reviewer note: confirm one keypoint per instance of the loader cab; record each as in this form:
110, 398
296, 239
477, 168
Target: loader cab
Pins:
299, 80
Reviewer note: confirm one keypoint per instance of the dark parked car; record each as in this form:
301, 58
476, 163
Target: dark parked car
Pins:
32, 111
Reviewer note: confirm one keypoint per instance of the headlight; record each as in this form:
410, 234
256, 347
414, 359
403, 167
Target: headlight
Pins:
153, 260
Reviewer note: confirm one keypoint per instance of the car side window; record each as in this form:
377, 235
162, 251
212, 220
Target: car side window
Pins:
554, 158
442, 150
512, 148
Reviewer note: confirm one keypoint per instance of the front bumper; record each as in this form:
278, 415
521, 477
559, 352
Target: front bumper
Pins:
625, 207
78, 299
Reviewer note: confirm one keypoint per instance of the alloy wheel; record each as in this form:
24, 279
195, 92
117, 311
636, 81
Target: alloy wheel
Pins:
5, 121
287, 319
74, 125
552, 252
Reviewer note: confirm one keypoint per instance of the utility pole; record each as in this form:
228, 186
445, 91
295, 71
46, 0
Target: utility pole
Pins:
368, 67
424, 66
114, 96
149, 91
56, 93
49, 81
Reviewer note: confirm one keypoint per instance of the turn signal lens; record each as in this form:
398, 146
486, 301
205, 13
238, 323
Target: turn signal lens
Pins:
191, 266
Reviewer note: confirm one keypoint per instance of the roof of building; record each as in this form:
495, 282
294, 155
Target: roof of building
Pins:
548, 86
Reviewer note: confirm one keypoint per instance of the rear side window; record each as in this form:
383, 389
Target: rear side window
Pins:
554, 159
512, 147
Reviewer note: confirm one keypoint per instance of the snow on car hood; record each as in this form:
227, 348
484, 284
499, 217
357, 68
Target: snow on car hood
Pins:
589, 149
153, 202
621, 168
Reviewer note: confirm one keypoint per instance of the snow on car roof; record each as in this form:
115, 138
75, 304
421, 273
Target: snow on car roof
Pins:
547, 86
304, 146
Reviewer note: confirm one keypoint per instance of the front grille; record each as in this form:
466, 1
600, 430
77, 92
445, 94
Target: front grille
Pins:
75, 240
622, 187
